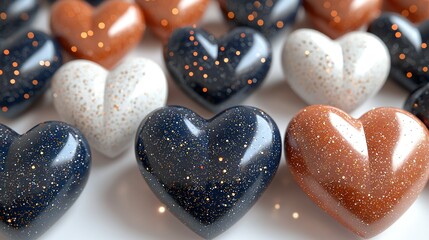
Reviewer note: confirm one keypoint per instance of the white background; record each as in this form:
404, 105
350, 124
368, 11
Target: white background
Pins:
118, 204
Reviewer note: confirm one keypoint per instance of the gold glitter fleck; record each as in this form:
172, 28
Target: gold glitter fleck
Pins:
175, 11
164, 22
101, 25
231, 15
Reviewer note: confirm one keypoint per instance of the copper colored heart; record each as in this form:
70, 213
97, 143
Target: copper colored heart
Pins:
364, 172
415, 10
103, 34
164, 16
337, 17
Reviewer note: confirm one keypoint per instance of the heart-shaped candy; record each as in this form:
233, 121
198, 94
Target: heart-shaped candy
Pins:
218, 73
408, 47
16, 14
165, 16
342, 73
418, 104
108, 106
267, 16
42, 173
103, 35
337, 17
208, 173
415, 10
364, 172
27, 62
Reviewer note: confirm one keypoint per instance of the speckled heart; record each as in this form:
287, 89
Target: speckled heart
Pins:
208, 173
408, 48
337, 17
342, 73
218, 73
108, 106
104, 34
27, 62
364, 172
42, 173
415, 10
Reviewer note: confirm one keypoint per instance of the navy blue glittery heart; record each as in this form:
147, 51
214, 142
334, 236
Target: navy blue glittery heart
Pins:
42, 173
408, 46
27, 62
209, 173
418, 104
15, 14
218, 73
266, 16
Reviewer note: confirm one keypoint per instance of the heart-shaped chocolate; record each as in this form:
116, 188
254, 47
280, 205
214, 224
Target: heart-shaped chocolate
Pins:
165, 16
108, 106
266, 16
42, 173
27, 62
218, 73
343, 73
418, 104
208, 173
415, 10
103, 35
15, 15
337, 17
364, 172
408, 47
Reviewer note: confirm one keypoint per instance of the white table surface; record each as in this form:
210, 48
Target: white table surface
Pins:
118, 204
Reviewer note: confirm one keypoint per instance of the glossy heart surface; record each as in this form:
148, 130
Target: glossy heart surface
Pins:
15, 15
104, 34
266, 16
415, 10
218, 73
27, 62
165, 16
42, 173
337, 17
108, 106
363, 172
342, 73
408, 47
418, 104
208, 173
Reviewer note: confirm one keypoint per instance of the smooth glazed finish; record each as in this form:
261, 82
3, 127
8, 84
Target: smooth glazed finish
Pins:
16, 14
103, 35
218, 73
337, 17
418, 104
108, 106
342, 73
364, 172
408, 46
165, 16
42, 174
414, 10
266, 16
27, 63
208, 173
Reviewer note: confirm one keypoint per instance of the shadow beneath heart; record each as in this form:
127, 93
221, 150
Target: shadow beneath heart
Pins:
140, 210
293, 211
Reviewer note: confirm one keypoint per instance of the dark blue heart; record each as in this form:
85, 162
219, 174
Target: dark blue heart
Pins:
408, 47
42, 173
266, 16
218, 73
15, 14
418, 104
27, 62
209, 173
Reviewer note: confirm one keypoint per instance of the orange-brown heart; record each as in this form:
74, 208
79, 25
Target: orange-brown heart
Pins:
165, 16
364, 172
103, 34
337, 17
415, 10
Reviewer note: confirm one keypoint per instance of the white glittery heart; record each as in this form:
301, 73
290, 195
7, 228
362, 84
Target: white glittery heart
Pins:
108, 106
342, 73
